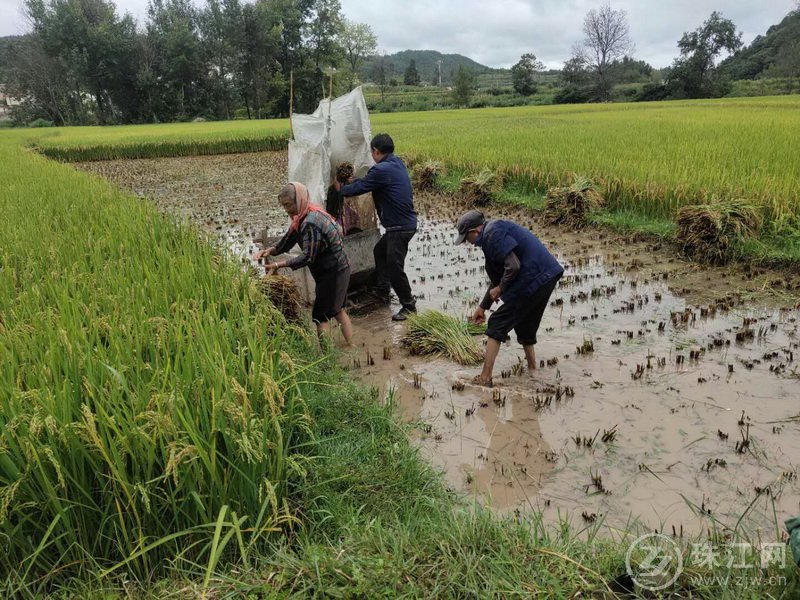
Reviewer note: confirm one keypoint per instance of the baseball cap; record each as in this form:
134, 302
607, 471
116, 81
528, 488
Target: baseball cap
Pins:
469, 220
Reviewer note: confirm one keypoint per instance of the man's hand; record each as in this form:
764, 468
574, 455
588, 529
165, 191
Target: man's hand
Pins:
494, 293
478, 317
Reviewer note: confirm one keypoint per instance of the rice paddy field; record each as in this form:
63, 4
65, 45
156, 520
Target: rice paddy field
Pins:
162, 426
647, 158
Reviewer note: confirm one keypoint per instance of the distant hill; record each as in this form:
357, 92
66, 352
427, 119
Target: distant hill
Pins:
756, 59
426, 65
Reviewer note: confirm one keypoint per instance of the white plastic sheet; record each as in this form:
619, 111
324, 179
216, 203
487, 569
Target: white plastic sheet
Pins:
338, 131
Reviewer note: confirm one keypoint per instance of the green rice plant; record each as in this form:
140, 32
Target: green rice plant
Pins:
435, 333
648, 158
151, 407
162, 149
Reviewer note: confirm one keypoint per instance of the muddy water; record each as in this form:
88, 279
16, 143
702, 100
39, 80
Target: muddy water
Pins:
680, 410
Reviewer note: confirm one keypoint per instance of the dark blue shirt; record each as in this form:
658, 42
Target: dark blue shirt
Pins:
537, 265
390, 185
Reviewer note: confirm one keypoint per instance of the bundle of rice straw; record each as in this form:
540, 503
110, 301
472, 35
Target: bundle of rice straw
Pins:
427, 174
481, 188
571, 205
708, 232
344, 172
283, 292
435, 333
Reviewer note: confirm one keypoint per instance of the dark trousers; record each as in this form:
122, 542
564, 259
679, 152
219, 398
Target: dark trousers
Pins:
390, 257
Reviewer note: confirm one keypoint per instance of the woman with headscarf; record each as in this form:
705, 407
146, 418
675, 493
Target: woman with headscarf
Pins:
320, 238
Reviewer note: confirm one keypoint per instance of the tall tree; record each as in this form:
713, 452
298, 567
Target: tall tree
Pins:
382, 71
180, 67
524, 74
358, 42
46, 85
411, 76
97, 48
694, 73
787, 63
463, 85
606, 38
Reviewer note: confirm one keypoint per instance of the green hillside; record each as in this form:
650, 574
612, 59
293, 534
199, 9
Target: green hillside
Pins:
427, 67
776, 54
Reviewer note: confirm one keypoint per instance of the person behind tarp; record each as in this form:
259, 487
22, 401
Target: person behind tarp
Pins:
390, 185
523, 274
320, 238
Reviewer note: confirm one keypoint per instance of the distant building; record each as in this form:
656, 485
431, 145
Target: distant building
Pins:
6, 103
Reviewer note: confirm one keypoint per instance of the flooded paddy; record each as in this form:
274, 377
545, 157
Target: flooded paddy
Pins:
667, 394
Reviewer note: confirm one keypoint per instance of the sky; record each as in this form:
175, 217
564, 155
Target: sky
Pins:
497, 32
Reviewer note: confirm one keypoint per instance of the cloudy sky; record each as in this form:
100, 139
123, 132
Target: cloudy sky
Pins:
497, 32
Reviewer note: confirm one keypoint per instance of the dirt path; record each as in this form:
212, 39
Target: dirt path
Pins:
686, 411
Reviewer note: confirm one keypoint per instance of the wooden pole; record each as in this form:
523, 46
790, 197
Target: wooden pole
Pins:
291, 101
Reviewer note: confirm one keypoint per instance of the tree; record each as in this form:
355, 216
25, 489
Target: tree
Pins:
787, 63
606, 38
411, 77
382, 70
463, 85
524, 74
694, 73
179, 67
95, 46
358, 41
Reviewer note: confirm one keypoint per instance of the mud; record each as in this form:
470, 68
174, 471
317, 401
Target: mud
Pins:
667, 394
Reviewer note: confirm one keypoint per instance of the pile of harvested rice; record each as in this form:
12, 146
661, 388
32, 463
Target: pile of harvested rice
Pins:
481, 188
571, 205
708, 232
344, 172
427, 174
435, 333
283, 292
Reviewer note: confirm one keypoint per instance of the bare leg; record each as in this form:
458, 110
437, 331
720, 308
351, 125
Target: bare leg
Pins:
492, 350
323, 328
347, 327
530, 357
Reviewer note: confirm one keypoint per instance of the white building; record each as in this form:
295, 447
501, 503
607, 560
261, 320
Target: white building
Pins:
6, 103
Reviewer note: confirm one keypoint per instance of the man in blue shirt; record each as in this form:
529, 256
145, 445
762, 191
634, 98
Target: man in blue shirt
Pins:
390, 185
523, 275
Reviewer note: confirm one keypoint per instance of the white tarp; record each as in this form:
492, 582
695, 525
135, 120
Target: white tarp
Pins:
338, 131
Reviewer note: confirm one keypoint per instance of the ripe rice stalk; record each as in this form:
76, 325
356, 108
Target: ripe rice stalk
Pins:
147, 400
708, 232
344, 172
284, 293
571, 205
479, 189
435, 333
426, 175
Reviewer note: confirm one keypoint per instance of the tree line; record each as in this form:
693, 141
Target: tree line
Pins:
85, 64
602, 59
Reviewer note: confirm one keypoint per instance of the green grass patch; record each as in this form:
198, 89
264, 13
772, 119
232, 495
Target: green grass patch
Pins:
632, 222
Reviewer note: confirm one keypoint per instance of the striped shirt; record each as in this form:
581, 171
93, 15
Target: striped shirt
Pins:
321, 242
